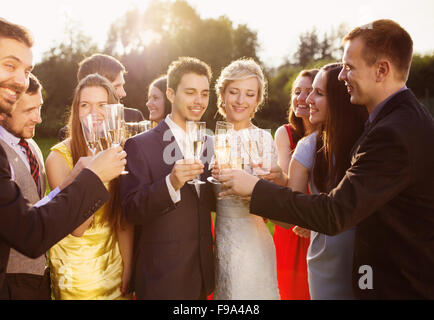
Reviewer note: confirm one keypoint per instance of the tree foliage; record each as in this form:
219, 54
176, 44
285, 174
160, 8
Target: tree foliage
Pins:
147, 41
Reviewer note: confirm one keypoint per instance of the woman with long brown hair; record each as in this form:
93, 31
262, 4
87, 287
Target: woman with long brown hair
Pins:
292, 244
158, 104
94, 261
320, 161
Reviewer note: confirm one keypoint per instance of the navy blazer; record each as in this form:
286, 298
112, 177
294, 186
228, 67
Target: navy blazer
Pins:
388, 193
174, 257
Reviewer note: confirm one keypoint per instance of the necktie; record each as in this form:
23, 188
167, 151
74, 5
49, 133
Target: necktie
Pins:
34, 166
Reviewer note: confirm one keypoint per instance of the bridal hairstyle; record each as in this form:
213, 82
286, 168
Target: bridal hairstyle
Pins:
296, 123
240, 69
16, 32
103, 64
337, 135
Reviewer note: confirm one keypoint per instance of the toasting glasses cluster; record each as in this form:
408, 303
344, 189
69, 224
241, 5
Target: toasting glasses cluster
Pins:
102, 131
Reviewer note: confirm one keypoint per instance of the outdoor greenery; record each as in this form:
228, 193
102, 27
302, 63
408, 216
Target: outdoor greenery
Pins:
147, 41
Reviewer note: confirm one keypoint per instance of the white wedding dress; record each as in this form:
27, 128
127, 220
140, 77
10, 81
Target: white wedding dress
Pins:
245, 253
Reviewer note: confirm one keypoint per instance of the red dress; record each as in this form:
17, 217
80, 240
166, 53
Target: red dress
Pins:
291, 258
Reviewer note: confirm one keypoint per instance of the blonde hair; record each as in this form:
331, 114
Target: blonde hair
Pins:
239, 70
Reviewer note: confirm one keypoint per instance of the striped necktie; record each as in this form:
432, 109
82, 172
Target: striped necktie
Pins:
34, 166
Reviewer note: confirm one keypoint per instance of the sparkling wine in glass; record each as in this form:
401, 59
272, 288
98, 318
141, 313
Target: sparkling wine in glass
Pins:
222, 146
89, 125
258, 149
195, 140
115, 122
104, 141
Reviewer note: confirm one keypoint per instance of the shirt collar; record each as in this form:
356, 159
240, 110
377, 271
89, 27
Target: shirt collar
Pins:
377, 110
9, 137
177, 130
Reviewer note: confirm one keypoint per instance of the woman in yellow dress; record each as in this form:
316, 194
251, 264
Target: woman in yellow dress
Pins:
94, 261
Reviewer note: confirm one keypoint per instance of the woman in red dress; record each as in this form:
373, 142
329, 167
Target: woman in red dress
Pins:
292, 244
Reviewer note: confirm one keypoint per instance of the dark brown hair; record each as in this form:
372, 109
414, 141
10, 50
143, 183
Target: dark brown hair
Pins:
185, 65
16, 32
343, 126
34, 85
296, 123
103, 64
385, 38
161, 84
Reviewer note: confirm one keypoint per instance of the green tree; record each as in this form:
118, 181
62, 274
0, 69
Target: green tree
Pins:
57, 73
421, 79
148, 41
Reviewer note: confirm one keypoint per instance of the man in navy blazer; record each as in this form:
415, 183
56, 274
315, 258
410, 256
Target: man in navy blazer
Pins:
174, 255
388, 191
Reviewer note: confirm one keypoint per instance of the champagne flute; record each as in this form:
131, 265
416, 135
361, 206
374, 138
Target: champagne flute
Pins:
131, 129
104, 141
134, 128
144, 126
222, 146
258, 149
114, 118
89, 125
194, 141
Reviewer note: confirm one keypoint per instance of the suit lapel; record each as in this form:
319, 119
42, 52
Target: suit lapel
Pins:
171, 150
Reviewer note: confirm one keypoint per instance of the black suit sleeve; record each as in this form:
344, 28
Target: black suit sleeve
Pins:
381, 169
32, 231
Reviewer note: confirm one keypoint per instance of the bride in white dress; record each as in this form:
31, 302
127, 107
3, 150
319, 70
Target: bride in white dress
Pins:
244, 249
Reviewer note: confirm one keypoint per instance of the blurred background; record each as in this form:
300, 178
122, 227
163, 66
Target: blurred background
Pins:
146, 35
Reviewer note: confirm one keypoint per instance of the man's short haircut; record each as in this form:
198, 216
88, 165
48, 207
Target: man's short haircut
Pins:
34, 85
102, 64
185, 65
385, 39
16, 32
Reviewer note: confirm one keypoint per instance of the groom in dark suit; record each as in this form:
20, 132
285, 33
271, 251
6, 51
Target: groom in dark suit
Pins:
174, 256
388, 191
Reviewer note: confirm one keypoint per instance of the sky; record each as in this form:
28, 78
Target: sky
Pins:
278, 23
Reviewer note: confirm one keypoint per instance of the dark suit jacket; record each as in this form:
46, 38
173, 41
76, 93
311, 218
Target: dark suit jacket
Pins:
174, 258
388, 192
32, 231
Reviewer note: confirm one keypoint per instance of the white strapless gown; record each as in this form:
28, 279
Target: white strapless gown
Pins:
245, 254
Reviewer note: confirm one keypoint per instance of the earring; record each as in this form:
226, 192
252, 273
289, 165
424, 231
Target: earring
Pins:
223, 104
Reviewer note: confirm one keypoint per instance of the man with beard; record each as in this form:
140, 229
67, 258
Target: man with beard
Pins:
33, 230
27, 278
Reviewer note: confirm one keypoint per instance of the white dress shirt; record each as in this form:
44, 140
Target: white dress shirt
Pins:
180, 137
13, 141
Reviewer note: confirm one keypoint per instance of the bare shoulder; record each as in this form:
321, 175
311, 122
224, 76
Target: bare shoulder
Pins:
281, 136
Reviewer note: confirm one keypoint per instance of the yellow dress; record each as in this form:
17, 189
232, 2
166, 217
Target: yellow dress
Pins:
88, 267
